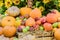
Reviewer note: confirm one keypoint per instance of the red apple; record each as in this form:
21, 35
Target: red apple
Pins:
31, 29
21, 17
43, 19
36, 27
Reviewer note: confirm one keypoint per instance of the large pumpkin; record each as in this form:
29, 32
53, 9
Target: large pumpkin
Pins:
35, 13
13, 11
9, 31
8, 21
25, 11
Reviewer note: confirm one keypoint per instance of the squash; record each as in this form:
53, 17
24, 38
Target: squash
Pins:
8, 21
9, 31
13, 11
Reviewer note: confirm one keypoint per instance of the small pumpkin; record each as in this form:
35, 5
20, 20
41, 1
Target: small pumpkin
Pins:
8, 21
25, 11
13, 11
9, 31
35, 13
30, 22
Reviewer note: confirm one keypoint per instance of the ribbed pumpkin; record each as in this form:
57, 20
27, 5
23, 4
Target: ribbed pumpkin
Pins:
51, 18
8, 21
35, 13
9, 31
25, 11
13, 11
30, 22
57, 34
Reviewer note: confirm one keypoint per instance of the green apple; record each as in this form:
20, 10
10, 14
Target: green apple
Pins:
27, 27
41, 28
17, 18
15, 38
25, 30
25, 19
55, 25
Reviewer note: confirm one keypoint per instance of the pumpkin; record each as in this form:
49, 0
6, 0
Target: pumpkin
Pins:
25, 11
13, 11
57, 34
51, 18
35, 13
30, 22
1, 30
9, 31
8, 21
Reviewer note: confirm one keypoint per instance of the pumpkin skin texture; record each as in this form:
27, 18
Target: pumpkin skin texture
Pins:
57, 34
8, 21
35, 13
51, 18
9, 31
1, 30
30, 22
13, 11
25, 11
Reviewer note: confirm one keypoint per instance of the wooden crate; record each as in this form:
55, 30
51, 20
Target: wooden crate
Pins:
36, 35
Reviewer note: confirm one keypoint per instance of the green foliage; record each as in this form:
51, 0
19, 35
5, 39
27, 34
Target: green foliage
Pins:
52, 4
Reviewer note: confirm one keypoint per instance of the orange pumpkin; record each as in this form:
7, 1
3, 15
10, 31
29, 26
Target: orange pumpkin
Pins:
1, 30
9, 31
51, 18
30, 22
36, 13
57, 34
25, 11
8, 21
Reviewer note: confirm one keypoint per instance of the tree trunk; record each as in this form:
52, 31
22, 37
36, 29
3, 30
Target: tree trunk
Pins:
29, 3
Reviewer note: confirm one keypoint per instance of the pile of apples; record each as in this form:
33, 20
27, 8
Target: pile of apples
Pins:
42, 23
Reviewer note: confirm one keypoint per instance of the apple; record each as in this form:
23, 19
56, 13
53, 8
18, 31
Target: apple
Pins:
43, 19
25, 19
19, 29
15, 38
21, 17
17, 18
25, 30
41, 28
36, 27
27, 27
31, 29
55, 25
